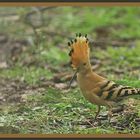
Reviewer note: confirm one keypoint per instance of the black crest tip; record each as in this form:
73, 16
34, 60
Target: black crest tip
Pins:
80, 34
76, 34
70, 53
69, 43
87, 40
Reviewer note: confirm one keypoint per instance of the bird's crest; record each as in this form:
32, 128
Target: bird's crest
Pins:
79, 52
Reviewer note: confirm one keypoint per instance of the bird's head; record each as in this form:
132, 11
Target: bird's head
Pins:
79, 52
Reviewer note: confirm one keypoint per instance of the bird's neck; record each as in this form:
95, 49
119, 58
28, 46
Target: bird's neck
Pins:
88, 73
85, 69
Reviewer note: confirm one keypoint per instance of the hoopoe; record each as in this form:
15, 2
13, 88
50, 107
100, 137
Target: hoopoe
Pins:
95, 88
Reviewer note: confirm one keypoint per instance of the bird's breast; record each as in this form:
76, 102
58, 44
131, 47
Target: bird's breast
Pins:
86, 87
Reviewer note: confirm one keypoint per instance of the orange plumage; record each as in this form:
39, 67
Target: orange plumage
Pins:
79, 51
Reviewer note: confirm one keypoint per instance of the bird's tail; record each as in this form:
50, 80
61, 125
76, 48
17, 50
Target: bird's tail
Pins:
128, 91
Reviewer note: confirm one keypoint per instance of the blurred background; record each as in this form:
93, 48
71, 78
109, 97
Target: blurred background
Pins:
35, 69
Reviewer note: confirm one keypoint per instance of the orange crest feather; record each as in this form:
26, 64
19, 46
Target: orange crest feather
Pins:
79, 50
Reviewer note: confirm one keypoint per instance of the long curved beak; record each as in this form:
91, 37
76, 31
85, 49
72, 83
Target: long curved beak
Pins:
73, 77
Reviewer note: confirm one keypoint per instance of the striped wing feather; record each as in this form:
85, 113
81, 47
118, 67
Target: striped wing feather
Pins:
111, 91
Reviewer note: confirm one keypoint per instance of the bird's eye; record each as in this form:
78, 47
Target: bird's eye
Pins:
84, 64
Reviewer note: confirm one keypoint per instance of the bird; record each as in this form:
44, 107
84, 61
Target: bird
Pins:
96, 89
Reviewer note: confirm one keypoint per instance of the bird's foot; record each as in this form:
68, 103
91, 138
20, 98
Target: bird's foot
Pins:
109, 116
93, 122
90, 123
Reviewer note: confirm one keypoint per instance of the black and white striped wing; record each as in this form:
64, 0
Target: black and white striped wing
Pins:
111, 91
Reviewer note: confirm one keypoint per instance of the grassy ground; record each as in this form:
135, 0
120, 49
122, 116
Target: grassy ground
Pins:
35, 70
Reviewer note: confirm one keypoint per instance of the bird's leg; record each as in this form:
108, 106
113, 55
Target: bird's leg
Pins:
110, 113
98, 111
